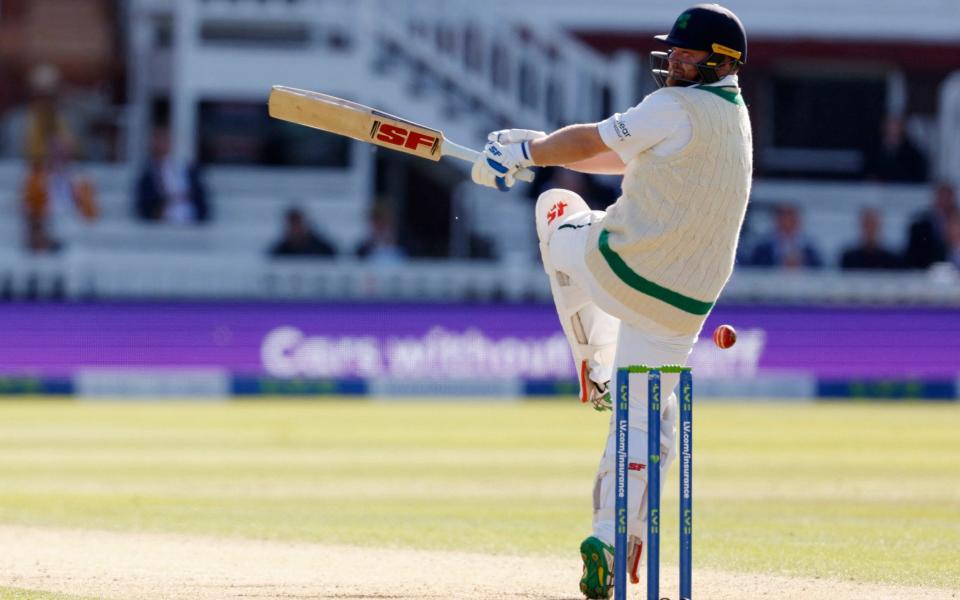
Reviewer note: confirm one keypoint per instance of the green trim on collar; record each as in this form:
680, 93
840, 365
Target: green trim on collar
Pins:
643, 285
726, 93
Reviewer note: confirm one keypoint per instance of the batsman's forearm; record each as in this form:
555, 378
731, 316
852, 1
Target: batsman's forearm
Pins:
605, 163
571, 144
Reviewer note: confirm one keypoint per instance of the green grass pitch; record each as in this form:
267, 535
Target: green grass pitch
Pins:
852, 491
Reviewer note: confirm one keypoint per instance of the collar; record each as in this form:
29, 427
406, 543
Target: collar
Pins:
727, 88
728, 81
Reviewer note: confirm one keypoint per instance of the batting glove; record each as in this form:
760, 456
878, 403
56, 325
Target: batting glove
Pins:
499, 163
491, 176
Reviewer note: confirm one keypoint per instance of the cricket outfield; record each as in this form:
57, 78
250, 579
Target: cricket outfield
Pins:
800, 500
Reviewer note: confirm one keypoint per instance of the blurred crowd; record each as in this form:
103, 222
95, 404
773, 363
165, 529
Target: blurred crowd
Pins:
170, 191
52, 183
381, 246
932, 237
173, 192
55, 186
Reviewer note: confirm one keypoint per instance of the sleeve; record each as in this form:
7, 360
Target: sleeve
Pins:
655, 119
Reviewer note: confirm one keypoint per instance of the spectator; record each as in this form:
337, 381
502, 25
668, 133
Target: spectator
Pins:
48, 132
381, 246
38, 238
748, 236
480, 247
787, 246
869, 253
51, 185
299, 238
896, 158
953, 241
168, 190
927, 242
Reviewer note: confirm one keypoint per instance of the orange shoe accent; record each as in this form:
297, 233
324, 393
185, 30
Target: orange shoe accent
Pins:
584, 393
634, 578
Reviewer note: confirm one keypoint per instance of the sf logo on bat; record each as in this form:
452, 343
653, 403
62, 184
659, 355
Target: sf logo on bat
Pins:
402, 137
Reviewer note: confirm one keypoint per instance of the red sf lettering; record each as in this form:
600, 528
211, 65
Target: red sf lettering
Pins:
391, 134
555, 211
418, 139
398, 136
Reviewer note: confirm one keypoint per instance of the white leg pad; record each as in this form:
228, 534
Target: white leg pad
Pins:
554, 207
591, 332
604, 500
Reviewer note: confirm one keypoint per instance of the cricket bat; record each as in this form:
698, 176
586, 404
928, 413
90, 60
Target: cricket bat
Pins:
366, 124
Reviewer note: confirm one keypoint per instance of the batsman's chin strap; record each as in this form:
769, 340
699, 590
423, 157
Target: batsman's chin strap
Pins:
708, 74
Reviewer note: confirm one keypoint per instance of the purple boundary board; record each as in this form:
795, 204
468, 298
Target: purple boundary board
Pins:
450, 340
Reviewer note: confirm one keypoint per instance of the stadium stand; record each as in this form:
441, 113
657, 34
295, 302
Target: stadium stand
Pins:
427, 62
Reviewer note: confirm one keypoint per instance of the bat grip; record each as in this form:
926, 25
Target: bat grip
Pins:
469, 155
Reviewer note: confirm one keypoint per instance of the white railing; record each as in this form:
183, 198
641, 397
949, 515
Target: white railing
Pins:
485, 71
519, 70
85, 274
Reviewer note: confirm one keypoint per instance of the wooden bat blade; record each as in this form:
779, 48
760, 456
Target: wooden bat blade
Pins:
354, 120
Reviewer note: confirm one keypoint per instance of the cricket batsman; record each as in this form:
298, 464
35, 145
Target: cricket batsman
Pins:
634, 284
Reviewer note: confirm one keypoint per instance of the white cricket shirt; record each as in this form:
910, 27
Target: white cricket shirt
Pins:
658, 123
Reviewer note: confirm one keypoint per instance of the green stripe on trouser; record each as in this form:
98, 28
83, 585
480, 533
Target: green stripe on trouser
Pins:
641, 284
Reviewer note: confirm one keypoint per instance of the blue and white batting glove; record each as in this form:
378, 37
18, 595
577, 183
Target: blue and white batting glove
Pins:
499, 163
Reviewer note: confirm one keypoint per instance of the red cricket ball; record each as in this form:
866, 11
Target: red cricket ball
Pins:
724, 336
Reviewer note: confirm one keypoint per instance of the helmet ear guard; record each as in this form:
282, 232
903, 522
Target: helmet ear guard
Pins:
708, 67
721, 55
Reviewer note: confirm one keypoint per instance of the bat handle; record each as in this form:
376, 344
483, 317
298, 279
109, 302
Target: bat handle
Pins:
469, 155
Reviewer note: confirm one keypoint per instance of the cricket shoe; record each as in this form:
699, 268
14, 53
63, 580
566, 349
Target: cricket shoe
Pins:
597, 580
599, 396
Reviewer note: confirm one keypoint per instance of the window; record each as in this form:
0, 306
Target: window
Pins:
822, 123
242, 133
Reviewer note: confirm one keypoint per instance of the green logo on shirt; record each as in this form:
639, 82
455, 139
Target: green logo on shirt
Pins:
683, 20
